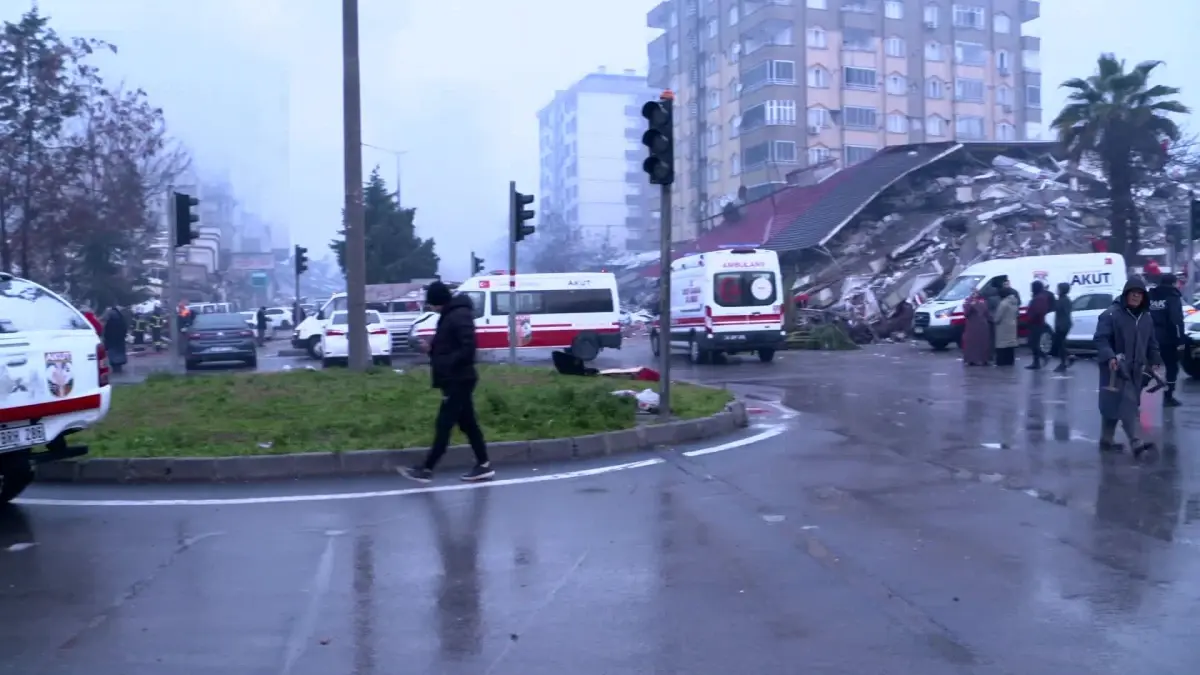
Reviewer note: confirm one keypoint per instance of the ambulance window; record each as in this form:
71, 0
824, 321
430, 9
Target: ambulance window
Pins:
960, 288
1091, 301
25, 306
477, 301
527, 303
744, 289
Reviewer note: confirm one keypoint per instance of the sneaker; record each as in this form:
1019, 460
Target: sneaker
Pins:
418, 473
479, 472
1062, 368
1033, 366
1110, 446
1171, 402
1140, 448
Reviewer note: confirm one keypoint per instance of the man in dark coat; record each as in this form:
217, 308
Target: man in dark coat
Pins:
260, 323
1166, 308
1125, 347
1062, 326
991, 293
452, 361
115, 330
1041, 303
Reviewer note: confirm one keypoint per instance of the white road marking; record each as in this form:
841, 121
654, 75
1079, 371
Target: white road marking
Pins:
762, 436
20, 547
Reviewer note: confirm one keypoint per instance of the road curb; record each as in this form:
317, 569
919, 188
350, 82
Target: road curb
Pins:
371, 462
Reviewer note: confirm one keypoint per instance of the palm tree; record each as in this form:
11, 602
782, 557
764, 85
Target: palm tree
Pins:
1117, 117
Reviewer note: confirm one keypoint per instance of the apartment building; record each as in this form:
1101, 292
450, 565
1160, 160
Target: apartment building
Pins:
591, 161
766, 87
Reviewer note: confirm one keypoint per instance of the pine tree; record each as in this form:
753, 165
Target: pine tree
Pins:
395, 254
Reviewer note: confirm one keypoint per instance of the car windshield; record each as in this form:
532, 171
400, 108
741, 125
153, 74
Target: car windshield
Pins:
960, 288
218, 322
25, 306
340, 318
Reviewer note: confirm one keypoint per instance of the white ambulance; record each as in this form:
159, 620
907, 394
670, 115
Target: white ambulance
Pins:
726, 302
576, 312
1093, 277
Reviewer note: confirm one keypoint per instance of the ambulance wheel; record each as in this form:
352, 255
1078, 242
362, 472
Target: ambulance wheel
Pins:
314, 347
654, 346
696, 354
939, 345
1190, 365
766, 355
586, 346
16, 473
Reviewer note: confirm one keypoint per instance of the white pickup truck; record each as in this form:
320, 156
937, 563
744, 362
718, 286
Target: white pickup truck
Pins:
398, 313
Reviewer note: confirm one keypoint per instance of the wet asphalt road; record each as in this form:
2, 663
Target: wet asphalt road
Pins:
916, 517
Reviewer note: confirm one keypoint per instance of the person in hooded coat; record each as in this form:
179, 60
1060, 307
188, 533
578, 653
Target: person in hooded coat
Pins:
1006, 327
977, 333
1166, 308
114, 331
1041, 303
1126, 346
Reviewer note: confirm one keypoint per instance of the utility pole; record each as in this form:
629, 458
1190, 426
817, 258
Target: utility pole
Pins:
512, 272
356, 301
659, 139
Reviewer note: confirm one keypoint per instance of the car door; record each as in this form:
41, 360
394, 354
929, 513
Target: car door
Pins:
1085, 312
49, 361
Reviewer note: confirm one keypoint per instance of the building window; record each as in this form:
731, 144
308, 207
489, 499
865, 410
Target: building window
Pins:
968, 127
755, 156
854, 117
935, 126
711, 67
1033, 96
714, 134
1031, 61
931, 15
735, 164
817, 38
1001, 23
968, 90
894, 46
781, 112
714, 99
818, 118
897, 85
674, 20
674, 50
784, 152
735, 51
733, 15
1004, 95
1003, 62
1006, 132
933, 51
780, 72
818, 155
934, 88
897, 123
818, 77
858, 40
860, 78
713, 28
735, 89
714, 171
735, 125
858, 153
893, 9
970, 54
968, 17
818, 4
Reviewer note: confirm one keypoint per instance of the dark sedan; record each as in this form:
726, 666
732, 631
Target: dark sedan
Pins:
220, 337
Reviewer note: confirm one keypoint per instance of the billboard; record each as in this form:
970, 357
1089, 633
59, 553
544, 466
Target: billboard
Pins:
251, 262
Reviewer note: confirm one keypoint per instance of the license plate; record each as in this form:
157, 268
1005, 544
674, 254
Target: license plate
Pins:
735, 337
220, 349
918, 330
22, 437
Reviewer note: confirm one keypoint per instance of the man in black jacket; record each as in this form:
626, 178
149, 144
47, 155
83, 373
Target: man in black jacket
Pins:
452, 360
1166, 308
1062, 326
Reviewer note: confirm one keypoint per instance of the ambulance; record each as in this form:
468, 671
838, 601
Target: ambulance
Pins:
574, 312
725, 302
1095, 278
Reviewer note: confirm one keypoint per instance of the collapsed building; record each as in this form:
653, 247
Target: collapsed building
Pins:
900, 224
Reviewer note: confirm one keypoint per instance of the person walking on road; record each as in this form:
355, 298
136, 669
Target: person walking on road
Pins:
1041, 303
1006, 327
116, 328
1126, 346
452, 361
977, 333
260, 323
1166, 308
1062, 327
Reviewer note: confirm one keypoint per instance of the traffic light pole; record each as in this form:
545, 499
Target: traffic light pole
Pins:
171, 297
664, 306
512, 272
1190, 266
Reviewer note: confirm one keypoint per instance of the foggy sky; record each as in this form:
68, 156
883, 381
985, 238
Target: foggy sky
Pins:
254, 90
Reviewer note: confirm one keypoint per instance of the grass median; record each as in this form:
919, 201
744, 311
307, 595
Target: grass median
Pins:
327, 410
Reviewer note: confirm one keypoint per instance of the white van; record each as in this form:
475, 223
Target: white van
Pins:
578, 312
940, 321
726, 302
398, 315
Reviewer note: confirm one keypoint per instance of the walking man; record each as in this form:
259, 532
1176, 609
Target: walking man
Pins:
260, 323
1125, 347
1041, 303
452, 361
1062, 327
1166, 308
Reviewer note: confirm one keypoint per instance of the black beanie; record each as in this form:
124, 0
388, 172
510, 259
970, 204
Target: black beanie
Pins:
437, 294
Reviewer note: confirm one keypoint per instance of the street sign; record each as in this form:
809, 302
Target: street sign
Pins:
259, 279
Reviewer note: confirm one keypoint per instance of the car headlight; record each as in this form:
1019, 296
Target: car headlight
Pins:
943, 313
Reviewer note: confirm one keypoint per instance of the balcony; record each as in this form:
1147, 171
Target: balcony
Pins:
769, 32
752, 7
660, 16
858, 7
657, 51
659, 77
1030, 10
1031, 43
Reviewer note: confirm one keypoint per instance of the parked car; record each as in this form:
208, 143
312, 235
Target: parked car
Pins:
215, 338
335, 347
54, 375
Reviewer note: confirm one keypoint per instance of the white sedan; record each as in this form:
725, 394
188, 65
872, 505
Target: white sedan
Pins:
335, 347
1085, 314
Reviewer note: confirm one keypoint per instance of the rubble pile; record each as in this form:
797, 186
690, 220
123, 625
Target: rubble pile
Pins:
934, 223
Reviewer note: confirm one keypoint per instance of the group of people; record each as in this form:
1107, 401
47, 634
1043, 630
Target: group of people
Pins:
990, 335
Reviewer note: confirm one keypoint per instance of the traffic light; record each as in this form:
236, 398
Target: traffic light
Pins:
184, 234
521, 215
660, 139
1195, 220
476, 264
301, 259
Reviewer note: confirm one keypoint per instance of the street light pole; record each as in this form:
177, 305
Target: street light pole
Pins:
398, 154
356, 301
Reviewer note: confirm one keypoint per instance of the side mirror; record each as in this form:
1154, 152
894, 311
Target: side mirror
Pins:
321, 315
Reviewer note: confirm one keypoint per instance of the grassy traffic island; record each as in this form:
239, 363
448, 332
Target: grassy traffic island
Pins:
335, 410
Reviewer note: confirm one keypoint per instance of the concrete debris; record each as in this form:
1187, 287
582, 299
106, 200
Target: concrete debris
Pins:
934, 223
